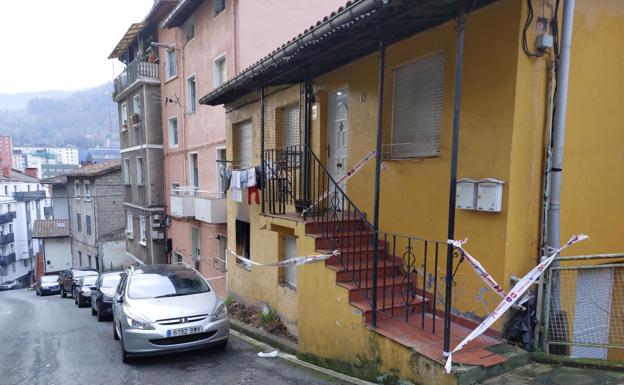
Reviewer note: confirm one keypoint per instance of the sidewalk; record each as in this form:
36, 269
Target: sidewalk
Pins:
544, 374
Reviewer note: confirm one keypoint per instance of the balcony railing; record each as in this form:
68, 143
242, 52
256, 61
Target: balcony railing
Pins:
7, 217
29, 195
205, 206
7, 238
134, 71
7, 259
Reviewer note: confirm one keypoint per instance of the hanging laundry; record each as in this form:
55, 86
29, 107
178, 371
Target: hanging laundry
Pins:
260, 179
243, 179
253, 190
235, 186
226, 175
251, 177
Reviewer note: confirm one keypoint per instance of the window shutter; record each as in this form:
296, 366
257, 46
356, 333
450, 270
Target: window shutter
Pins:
417, 108
290, 134
244, 144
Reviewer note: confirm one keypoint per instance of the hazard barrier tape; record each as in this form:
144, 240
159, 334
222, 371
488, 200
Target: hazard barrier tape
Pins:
297, 261
510, 299
480, 270
350, 173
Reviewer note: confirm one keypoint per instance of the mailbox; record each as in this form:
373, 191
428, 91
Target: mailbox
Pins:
466, 194
490, 195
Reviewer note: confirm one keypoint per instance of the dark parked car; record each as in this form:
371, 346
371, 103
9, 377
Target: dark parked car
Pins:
47, 284
102, 295
69, 278
8, 285
82, 290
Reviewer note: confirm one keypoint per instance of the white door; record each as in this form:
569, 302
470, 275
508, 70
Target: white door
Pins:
338, 134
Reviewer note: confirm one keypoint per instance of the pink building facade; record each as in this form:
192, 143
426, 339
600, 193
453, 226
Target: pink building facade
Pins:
201, 45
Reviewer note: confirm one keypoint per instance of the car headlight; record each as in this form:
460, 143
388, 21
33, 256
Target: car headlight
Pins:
220, 313
85, 290
137, 322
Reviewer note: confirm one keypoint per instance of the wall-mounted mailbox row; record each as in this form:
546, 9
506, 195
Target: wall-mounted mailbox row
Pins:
481, 195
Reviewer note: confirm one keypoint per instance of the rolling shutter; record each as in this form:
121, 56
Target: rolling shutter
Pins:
244, 144
289, 128
417, 108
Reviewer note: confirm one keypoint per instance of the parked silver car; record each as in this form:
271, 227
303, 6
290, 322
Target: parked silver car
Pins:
163, 308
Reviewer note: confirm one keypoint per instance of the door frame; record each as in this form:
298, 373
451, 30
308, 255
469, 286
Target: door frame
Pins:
344, 87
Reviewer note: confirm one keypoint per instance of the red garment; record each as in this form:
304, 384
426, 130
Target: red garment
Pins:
252, 190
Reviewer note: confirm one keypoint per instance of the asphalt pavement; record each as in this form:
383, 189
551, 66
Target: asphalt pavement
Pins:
49, 341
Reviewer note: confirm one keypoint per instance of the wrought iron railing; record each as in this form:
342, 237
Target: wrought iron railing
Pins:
21, 196
7, 259
5, 239
134, 70
405, 277
7, 217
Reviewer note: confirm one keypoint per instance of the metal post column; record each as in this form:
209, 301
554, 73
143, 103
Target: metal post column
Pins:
262, 108
307, 92
459, 59
380, 96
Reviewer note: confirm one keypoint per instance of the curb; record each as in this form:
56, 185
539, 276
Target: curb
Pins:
553, 359
281, 343
294, 360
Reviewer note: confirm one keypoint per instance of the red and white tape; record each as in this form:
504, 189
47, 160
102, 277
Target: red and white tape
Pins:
297, 261
510, 299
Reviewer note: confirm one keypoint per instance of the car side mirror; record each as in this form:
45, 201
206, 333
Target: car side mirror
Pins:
92, 287
119, 299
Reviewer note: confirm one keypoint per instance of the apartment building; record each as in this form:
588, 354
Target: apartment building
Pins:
137, 92
201, 45
62, 154
96, 194
22, 201
6, 151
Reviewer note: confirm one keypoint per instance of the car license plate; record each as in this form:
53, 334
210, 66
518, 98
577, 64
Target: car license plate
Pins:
184, 331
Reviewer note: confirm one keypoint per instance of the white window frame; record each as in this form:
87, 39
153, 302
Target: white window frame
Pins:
129, 225
220, 167
137, 104
290, 272
172, 65
77, 189
124, 116
216, 73
142, 231
420, 149
126, 171
196, 243
87, 190
173, 143
191, 95
191, 171
139, 171
189, 25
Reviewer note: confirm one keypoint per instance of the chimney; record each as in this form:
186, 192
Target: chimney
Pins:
31, 171
6, 172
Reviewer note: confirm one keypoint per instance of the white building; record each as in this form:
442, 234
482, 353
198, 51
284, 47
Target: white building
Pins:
22, 199
64, 155
55, 235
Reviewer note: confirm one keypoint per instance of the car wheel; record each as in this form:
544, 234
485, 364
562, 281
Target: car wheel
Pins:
63, 294
81, 302
100, 317
37, 292
115, 335
93, 312
221, 346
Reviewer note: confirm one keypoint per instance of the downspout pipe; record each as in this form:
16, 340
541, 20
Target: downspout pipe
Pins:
561, 103
459, 64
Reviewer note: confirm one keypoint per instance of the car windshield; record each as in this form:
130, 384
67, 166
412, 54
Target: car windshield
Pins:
166, 284
89, 280
82, 273
110, 280
49, 278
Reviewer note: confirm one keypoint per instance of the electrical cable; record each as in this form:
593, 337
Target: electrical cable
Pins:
527, 24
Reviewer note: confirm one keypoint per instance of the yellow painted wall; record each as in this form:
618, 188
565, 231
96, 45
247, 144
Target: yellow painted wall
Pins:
502, 136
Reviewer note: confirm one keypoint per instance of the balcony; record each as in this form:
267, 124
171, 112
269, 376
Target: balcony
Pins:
205, 206
7, 259
7, 239
7, 217
22, 196
182, 202
210, 207
136, 71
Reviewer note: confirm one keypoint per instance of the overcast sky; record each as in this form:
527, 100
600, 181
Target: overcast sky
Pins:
62, 44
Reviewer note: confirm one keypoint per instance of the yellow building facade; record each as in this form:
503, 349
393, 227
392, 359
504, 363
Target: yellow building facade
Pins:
503, 130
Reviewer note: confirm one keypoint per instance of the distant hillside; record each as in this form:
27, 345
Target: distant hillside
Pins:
82, 118
20, 101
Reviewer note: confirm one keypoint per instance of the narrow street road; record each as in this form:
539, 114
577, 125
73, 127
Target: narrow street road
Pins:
49, 341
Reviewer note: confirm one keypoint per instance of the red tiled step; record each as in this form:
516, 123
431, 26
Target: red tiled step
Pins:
343, 274
347, 239
328, 225
414, 308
